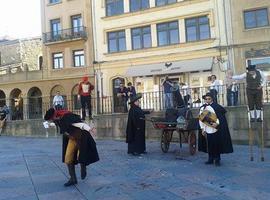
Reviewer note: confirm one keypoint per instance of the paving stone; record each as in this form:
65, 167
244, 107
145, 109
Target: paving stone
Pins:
31, 168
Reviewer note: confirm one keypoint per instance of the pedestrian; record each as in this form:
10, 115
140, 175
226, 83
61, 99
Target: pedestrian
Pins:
58, 101
214, 136
122, 94
168, 98
255, 80
19, 107
231, 89
78, 144
131, 90
4, 111
177, 96
84, 95
185, 90
135, 131
214, 87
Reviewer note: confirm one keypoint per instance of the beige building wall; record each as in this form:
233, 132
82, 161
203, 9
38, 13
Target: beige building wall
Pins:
115, 65
64, 11
253, 43
46, 81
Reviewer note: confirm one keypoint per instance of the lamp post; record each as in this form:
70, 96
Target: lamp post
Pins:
99, 85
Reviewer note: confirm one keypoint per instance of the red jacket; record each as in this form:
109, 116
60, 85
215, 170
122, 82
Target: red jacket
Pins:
85, 88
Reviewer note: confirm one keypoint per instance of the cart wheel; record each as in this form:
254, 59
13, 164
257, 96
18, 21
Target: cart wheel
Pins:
192, 141
165, 141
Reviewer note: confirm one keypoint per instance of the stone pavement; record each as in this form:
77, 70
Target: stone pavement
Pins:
31, 168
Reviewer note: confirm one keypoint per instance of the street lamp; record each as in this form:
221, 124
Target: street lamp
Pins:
99, 85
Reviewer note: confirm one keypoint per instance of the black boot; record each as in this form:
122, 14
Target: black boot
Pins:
73, 178
83, 171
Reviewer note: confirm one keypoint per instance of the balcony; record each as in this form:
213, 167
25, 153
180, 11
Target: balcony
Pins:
65, 35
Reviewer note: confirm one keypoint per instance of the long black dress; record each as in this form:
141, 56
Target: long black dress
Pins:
87, 146
135, 132
223, 133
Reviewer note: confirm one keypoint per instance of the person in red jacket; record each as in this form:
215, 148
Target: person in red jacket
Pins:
84, 94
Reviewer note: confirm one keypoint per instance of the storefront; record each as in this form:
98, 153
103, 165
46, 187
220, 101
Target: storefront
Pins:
148, 78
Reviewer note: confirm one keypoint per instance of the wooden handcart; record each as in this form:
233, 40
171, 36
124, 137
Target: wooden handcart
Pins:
168, 128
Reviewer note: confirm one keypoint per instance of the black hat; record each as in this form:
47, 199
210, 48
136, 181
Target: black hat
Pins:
251, 67
49, 114
208, 94
135, 98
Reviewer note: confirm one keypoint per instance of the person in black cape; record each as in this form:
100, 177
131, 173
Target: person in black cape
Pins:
135, 131
78, 145
218, 142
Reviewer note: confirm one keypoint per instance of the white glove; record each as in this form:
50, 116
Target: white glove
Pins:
46, 124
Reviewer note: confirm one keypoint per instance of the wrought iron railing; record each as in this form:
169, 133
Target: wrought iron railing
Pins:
65, 34
35, 107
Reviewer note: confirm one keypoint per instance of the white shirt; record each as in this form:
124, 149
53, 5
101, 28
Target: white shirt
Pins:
204, 127
244, 75
58, 100
215, 85
185, 90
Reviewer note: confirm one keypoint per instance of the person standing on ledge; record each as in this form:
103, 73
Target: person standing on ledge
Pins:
84, 94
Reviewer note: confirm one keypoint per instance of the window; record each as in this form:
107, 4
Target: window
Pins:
167, 33
256, 18
141, 37
197, 28
76, 23
78, 58
55, 28
164, 2
117, 41
262, 64
114, 7
58, 60
136, 5
54, 1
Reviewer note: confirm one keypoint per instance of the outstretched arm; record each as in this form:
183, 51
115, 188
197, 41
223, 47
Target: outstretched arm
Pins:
263, 78
239, 77
83, 126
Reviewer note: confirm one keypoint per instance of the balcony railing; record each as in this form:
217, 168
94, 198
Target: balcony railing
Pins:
65, 35
35, 107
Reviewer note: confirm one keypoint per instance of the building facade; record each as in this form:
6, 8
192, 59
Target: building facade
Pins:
248, 28
67, 51
143, 41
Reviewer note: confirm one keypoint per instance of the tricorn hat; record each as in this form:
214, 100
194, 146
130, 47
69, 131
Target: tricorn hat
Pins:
251, 67
49, 114
135, 98
208, 94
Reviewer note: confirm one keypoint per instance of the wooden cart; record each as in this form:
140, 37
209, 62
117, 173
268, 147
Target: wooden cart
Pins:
168, 128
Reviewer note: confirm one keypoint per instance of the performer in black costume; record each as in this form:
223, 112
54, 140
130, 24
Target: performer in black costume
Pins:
255, 80
135, 132
78, 144
218, 135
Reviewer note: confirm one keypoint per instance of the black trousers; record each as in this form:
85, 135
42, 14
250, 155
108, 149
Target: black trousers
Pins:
86, 101
254, 97
213, 147
214, 93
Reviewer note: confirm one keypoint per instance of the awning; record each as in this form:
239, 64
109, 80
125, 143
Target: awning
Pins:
198, 64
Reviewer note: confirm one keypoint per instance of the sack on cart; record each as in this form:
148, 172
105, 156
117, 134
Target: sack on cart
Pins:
185, 119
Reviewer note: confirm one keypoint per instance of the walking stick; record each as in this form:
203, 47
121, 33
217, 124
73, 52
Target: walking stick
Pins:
262, 138
251, 137
206, 142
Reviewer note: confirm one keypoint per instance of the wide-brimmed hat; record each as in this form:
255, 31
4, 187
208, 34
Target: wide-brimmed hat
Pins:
208, 94
135, 98
251, 67
49, 114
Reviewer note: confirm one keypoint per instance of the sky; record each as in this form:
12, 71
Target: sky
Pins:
20, 18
